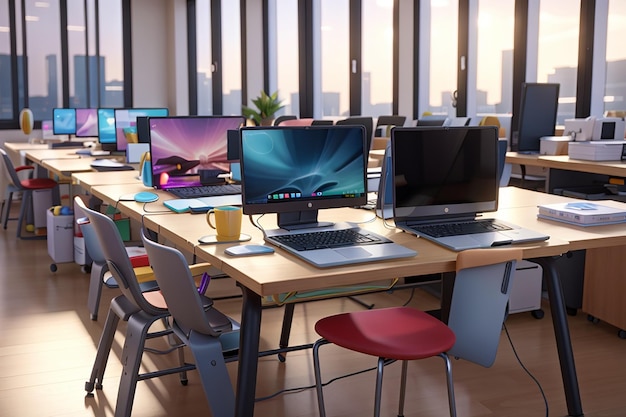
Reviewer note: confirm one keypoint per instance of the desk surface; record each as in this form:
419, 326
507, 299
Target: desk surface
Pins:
89, 179
616, 168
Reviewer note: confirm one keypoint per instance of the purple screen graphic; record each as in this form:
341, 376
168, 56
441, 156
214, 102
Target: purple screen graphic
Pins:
180, 146
86, 123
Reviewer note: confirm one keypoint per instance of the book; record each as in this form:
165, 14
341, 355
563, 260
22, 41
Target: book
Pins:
583, 213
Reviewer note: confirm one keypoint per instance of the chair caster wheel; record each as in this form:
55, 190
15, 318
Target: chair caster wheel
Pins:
89, 387
184, 382
93, 317
538, 314
53, 267
282, 358
593, 319
621, 334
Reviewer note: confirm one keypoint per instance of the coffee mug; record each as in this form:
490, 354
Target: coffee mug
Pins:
227, 222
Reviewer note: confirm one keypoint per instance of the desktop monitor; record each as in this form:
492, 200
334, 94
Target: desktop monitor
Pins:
86, 123
143, 129
537, 116
126, 124
295, 171
182, 148
106, 129
64, 121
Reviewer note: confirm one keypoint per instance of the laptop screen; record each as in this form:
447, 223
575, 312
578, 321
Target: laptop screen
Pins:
444, 171
181, 148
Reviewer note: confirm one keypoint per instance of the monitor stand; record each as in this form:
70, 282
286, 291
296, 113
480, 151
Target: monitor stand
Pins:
295, 220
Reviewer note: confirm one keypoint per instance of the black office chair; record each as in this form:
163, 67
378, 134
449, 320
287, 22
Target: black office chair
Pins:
385, 123
368, 122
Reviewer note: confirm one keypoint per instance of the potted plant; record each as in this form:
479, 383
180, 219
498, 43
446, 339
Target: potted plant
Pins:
266, 106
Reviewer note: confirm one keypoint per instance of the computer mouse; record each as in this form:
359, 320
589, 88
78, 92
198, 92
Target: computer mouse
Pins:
146, 197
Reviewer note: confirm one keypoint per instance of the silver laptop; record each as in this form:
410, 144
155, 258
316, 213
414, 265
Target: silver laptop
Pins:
296, 171
444, 179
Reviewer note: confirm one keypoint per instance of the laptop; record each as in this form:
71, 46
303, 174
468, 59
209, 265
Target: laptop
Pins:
189, 155
294, 172
445, 178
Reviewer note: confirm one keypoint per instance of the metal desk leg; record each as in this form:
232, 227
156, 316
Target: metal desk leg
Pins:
248, 353
562, 335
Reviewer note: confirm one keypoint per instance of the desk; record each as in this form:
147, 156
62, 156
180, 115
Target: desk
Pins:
280, 272
89, 179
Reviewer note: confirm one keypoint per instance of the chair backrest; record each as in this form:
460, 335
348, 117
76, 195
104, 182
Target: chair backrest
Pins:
91, 238
9, 169
479, 301
368, 122
178, 287
117, 260
282, 118
393, 120
296, 122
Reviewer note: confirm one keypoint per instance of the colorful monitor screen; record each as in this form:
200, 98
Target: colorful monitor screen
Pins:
126, 124
64, 121
106, 128
86, 123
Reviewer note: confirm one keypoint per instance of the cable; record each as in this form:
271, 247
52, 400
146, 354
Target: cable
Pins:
543, 395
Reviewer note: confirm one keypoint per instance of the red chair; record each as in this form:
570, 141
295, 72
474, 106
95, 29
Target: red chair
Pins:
477, 311
26, 187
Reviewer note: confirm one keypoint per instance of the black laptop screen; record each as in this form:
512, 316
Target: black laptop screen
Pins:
447, 171
184, 146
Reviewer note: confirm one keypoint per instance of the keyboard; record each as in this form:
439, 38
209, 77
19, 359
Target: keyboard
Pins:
206, 190
460, 228
327, 239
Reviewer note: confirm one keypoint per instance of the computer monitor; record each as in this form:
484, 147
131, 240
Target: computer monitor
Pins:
63, 121
181, 147
537, 116
143, 129
295, 171
106, 129
86, 123
126, 124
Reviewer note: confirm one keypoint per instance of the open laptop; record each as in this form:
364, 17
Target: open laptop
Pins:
189, 155
294, 172
444, 178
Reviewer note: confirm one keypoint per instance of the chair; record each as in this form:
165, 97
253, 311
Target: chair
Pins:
295, 122
493, 121
140, 310
207, 333
280, 119
385, 123
477, 311
26, 187
322, 122
367, 122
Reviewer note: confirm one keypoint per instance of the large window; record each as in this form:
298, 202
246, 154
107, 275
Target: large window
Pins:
335, 57
6, 80
284, 51
110, 54
231, 57
204, 57
615, 89
557, 58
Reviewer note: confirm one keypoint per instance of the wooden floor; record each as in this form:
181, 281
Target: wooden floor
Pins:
48, 342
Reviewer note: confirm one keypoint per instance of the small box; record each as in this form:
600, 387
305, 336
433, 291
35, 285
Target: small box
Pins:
553, 145
607, 150
526, 290
60, 237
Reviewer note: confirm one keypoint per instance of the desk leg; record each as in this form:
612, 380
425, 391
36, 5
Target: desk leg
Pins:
248, 353
562, 335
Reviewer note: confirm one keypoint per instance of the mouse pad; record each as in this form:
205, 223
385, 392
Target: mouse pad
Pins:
146, 197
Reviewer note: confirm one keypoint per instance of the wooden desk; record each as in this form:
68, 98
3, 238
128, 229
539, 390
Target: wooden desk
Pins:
90, 179
16, 150
281, 272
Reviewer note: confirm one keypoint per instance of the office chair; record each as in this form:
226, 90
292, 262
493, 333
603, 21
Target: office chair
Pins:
385, 123
295, 122
26, 187
477, 311
140, 310
322, 122
367, 122
207, 332
280, 119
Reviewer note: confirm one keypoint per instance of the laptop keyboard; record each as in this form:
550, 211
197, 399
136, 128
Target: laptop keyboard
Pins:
206, 190
460, 228
327, 239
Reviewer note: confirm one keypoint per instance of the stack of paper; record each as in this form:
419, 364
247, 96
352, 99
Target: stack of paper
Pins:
607, 150
583, 213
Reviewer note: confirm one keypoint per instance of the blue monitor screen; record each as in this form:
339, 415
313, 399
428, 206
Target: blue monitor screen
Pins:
296, 169
64, 121
106, 126
86, 123
126, 124
182, 146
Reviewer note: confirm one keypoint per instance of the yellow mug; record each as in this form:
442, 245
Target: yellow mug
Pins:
227, 222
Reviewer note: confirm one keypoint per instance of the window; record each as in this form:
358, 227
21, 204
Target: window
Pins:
231, 58
204, 57
615, 88
283, 45
335, 57
6, 80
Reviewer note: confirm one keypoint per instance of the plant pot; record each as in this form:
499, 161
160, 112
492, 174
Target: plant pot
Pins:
268, 121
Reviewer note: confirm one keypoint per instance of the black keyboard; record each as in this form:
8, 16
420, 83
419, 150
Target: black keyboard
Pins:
206, 190
460, 228
327, 239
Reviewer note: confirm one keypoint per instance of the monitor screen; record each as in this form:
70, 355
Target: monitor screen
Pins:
294, 171
126, 124
444, 171
182, 146
86, 123
64, 121
537, 116
143, 129
106, 129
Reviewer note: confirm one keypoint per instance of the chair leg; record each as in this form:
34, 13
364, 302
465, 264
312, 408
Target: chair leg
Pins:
402, 389
218, 389
95, 289
286, 329
102, 354
318, 376
379, 386
451, 401
26, 201
8, 208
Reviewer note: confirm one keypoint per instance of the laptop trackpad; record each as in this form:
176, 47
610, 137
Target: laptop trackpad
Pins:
353, 252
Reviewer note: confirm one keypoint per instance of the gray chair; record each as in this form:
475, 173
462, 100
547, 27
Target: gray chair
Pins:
140, 313
478, 309
26, 187
208, 333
